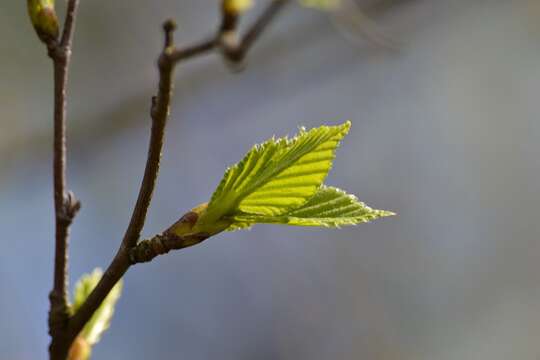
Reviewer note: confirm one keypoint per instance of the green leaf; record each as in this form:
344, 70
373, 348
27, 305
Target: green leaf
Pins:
276, 176
101, 320
329, 207
280, 182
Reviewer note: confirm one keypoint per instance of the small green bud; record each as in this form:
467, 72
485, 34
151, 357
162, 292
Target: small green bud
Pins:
236, 7
44, 19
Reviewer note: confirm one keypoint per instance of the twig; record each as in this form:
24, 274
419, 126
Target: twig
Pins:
159, 113
147, 250
69, 24
202, 48
65, 204
129, 251
235, 50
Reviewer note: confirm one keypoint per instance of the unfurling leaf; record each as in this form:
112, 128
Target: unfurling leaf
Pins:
101, 320
43, 19
329, 207
276, 176
281, 182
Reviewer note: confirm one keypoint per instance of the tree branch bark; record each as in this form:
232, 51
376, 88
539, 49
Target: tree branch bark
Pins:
65, 204
159, 112
161, 244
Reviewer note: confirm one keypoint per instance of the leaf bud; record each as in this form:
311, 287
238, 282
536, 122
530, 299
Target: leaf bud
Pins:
44, 20
236, 7
195, 222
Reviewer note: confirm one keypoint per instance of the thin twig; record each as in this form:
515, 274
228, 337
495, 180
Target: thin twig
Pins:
202, 48
234, 50
65, 204
159, 113
147, 250
69, 24
260, 25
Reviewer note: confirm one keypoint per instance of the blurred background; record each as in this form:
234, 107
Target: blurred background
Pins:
443, 97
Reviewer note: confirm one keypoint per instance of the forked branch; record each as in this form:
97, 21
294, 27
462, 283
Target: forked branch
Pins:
160, 109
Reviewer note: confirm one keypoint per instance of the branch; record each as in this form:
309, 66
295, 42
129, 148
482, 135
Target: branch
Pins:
234, 50
226, 39
65, 204
161, 244
204, 47
69, 24
159, 113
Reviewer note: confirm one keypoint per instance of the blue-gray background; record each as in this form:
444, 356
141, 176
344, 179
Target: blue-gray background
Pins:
445, 132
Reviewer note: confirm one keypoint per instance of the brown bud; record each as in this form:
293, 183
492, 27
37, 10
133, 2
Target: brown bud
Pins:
80, 349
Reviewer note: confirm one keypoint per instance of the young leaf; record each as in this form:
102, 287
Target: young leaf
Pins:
101, 319
280, 182
276, 176
329, 207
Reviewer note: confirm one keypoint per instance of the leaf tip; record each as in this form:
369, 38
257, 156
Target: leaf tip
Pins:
346, 126
375, 214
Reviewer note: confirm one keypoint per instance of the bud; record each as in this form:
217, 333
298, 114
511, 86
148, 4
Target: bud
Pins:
195, 222
236, 7
80, 349
43, 19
